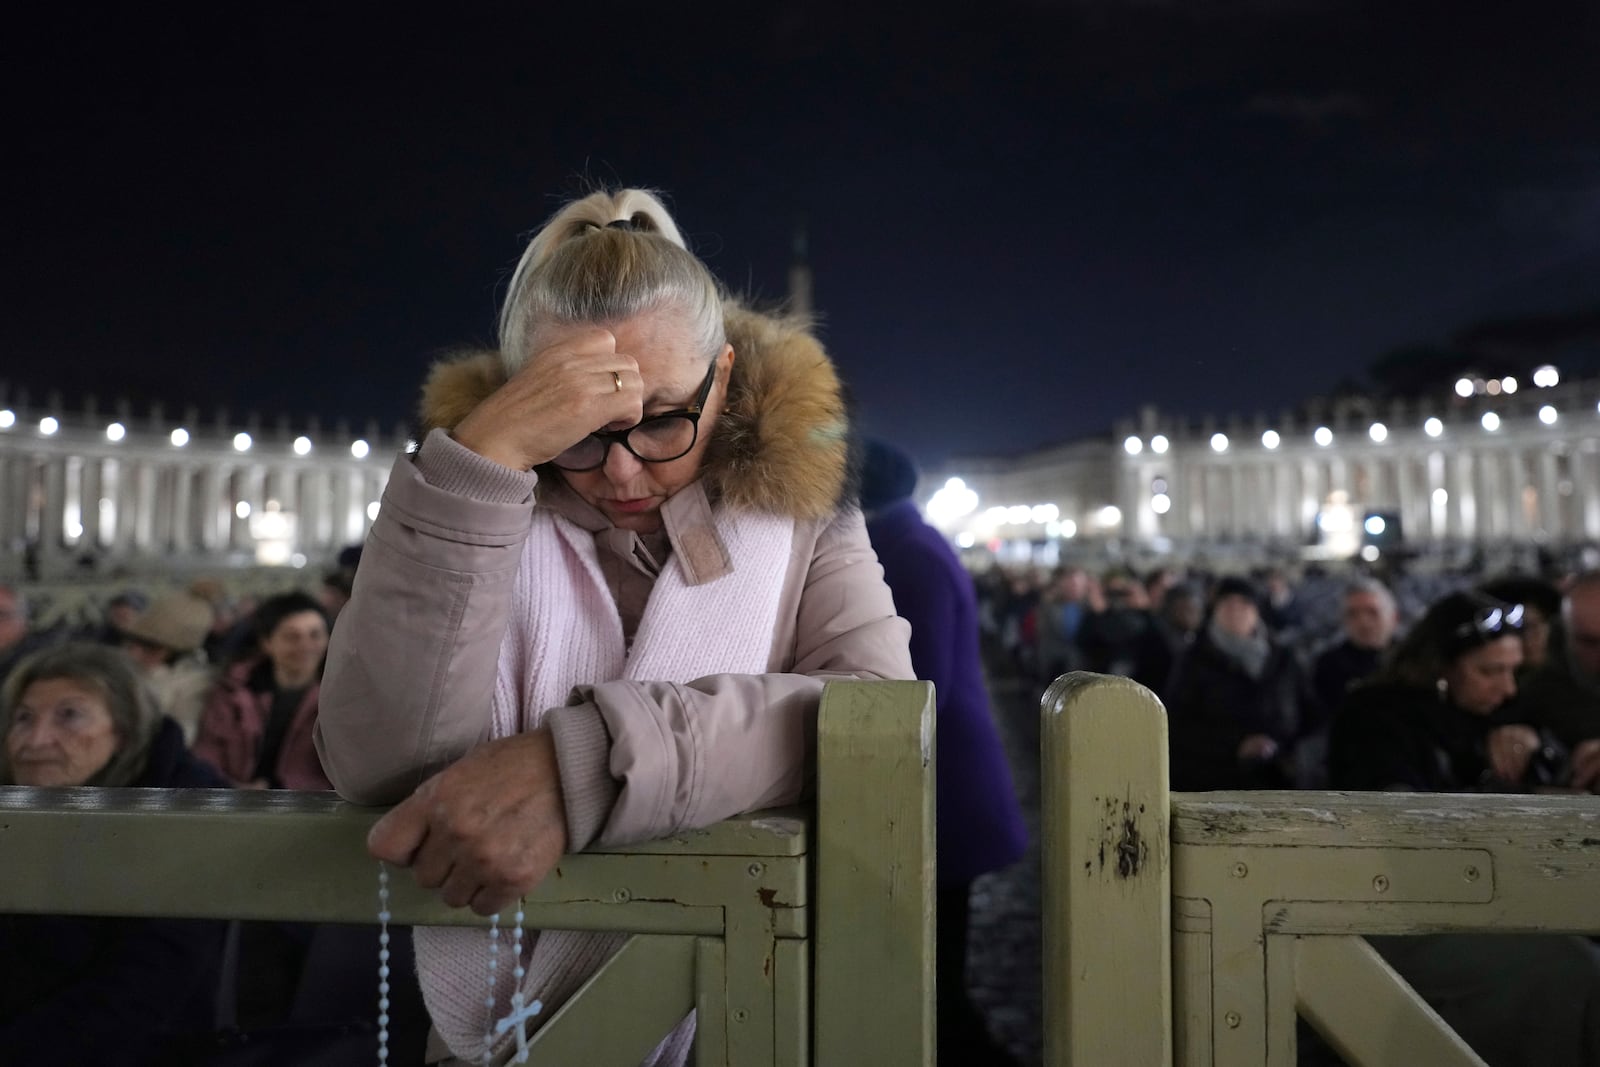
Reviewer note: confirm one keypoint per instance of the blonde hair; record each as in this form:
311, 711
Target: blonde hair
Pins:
602, 259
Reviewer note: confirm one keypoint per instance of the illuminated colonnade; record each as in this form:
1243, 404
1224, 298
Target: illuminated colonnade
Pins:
1488, 469
158, 491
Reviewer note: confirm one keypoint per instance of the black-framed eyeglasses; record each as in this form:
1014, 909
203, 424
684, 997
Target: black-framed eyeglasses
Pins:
656, 439
1492, 621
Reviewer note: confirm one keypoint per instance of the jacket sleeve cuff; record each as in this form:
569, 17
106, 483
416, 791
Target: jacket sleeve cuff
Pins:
583, 753
451, 466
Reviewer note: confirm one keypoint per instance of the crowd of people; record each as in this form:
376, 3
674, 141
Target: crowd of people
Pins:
191, 689
1444, 685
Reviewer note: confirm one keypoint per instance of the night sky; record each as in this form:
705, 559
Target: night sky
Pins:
1024, 220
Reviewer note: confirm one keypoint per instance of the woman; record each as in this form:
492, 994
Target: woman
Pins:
93, 990
1428, 722
1438, 717
257, 726
604, 594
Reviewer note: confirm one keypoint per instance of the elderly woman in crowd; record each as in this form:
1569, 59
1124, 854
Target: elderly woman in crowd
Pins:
600, 602
257, 725
93, 990
1437, 719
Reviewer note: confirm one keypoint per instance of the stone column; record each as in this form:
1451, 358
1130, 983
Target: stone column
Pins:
144, 495
208, 508
91, 489
183, 523
1586, 484
1463, 498
1545, 479
127, 509
11, 506
52, 514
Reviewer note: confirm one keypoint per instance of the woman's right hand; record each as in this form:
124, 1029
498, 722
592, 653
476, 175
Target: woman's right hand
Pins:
563, 393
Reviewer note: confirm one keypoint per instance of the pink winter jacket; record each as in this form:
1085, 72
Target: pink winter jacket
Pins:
234, 722
412, 663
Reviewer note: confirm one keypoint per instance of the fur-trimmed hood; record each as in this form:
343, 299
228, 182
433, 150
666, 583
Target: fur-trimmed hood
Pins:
781, 444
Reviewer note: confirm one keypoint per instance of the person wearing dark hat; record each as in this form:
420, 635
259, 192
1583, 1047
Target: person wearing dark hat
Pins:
1235, 700
979, 821
165, 642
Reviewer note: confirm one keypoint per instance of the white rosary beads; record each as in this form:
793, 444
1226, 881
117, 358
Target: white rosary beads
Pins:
520, 1013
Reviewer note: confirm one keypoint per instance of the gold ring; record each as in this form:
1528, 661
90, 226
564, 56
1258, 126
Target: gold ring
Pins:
617, 378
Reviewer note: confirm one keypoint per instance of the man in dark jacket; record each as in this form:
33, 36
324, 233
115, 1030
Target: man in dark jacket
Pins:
1234, 703
979, 822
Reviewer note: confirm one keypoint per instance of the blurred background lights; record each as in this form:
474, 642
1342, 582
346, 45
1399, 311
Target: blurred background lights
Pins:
359, 449
1547, 415
241, 442
1508, 384
1161, 503
1323, 436
1042, 513
179, 437
1546, 377
372, 511
1270, 439
1109, 515
1158, 445
1375, 525
8, 418
116, 431
1219, 442
242, 509
48, 425
1018, 514
1433, 427
1378, 432
302, 446
1370, 553
1464, 387
951, 502
1133, 446
1491, 421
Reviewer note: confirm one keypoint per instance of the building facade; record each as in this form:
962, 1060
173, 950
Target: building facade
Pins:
86, 492
1498, 465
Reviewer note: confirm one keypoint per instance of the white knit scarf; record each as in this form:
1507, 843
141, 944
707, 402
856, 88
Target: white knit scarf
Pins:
563, 631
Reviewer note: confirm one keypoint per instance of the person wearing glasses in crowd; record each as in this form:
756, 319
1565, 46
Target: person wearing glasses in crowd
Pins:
1435, 719
600, 601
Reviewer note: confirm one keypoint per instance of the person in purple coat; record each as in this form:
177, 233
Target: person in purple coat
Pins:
979, 821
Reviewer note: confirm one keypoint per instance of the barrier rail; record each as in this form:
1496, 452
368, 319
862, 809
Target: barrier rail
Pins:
1195, 928
799, 937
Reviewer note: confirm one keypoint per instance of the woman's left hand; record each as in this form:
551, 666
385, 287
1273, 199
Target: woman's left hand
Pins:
486, 830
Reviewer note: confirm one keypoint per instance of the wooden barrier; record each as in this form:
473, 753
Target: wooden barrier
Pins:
1270, 894
732, 920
